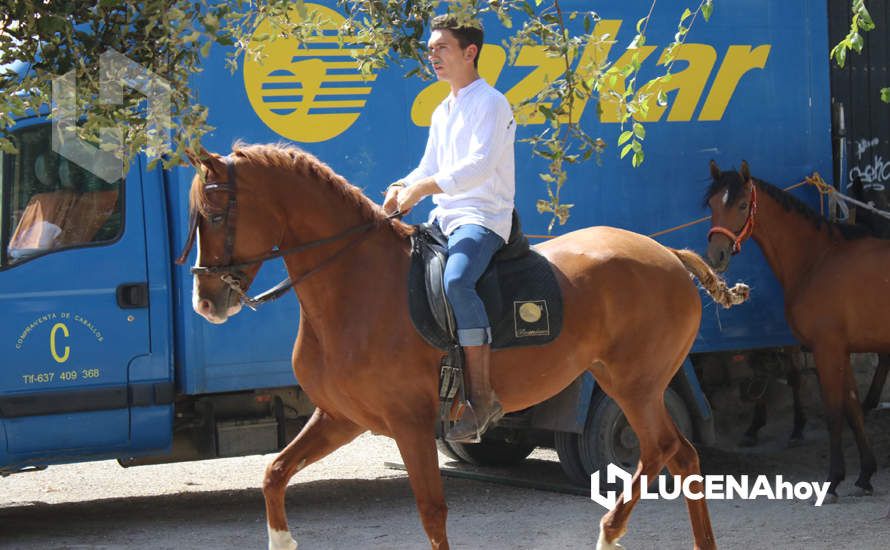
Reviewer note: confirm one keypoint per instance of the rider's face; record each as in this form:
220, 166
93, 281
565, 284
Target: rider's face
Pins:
448, 59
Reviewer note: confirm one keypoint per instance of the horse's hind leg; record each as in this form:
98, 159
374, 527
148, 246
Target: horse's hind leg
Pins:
685, 463
853, 410
657, 435
877, 383
749, 439
794, 379
322, 435
417, 446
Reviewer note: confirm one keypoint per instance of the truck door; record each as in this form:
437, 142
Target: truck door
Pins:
75, 306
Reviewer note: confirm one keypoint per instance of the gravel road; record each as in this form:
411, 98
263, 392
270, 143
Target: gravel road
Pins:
352, 500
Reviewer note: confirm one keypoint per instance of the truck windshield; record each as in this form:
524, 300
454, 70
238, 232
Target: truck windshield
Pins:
51, 203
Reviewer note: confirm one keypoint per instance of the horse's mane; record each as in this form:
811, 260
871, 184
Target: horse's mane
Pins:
291, 157
733, 183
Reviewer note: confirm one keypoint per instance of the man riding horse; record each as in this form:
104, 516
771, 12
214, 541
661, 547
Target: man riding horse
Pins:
468, 167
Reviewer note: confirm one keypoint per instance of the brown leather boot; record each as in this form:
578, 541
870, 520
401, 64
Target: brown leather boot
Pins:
482, 408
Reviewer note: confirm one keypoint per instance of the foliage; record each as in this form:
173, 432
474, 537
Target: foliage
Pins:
170, 38
860, 20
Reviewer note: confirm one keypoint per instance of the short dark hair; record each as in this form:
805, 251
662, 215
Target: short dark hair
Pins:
466, 33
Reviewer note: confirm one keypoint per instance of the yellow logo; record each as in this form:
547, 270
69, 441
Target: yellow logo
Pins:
315, 92
307, 93
52, 343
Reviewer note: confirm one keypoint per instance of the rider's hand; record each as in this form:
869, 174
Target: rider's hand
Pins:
391, 201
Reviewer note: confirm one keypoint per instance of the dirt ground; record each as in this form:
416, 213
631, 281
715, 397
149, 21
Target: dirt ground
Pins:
353, 500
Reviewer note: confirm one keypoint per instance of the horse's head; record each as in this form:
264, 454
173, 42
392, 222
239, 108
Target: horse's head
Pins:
232, 228
732, 199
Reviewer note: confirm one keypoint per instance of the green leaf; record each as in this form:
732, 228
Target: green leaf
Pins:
626, 135
639, 131
547, 112
637, 159
626, 150
885, 95
707, 9
686, 13
840, 55
856, 43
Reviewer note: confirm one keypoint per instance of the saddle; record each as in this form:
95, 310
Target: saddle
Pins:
519, 290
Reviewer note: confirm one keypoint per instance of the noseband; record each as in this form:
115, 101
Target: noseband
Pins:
233, 274
747, 229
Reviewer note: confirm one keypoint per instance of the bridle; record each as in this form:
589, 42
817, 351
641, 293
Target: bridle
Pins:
747, 229
233, 274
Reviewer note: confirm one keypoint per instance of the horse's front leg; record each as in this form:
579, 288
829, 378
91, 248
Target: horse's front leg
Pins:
322, 435
800, 418
831, 362
418, 448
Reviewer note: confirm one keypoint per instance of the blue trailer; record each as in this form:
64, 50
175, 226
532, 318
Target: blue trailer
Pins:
103, 356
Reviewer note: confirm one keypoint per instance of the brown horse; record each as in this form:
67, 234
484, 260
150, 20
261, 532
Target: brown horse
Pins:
631, 314
837, 292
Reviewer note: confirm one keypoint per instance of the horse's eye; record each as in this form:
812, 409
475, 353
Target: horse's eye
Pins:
216, 219
743, 206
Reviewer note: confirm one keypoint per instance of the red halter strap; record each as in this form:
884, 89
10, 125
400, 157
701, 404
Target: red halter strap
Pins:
747, 229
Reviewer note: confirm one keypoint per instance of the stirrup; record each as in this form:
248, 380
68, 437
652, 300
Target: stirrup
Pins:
470, 431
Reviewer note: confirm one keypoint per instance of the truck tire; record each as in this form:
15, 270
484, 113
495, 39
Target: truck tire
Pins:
568, 450
608, 438
489, 452
445, 448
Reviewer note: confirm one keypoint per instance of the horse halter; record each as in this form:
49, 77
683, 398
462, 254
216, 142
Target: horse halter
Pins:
747, 229
232, 274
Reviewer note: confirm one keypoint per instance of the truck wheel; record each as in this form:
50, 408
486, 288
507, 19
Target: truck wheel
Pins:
445, 448
569, 453
608, 437
489, 452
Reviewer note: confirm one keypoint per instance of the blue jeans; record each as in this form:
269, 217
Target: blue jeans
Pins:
470, 248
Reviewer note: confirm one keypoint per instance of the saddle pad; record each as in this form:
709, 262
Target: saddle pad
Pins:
521, 296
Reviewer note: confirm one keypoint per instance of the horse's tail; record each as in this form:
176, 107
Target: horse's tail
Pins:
713, 283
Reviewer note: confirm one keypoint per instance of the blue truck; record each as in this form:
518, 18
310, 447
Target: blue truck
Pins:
103, 357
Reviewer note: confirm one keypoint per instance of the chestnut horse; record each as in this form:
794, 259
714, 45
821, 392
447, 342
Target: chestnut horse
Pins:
837, 292
631, 314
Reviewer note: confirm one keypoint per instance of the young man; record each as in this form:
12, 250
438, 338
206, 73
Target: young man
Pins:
468, 168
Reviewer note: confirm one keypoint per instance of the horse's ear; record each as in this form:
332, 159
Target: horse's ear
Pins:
202, 157
193, 157
715, 170
745, 172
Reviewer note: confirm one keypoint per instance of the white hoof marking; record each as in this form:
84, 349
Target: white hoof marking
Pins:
281, 540
603, 544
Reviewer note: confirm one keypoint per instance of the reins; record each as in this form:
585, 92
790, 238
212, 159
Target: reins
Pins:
232, 274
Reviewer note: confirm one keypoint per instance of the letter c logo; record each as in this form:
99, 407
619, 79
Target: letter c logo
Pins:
52, 343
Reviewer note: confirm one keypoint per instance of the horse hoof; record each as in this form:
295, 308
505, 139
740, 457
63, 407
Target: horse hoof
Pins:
603, 544
281, 540
830, 498
864, 490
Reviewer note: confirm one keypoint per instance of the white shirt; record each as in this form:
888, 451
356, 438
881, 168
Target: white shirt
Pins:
469, 153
